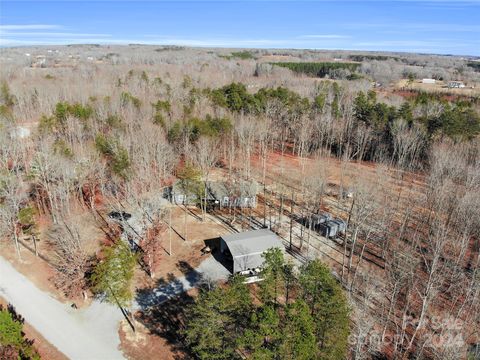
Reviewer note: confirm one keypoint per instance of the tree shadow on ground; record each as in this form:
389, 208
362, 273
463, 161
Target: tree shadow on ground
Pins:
163, 306
167, 287
168, 322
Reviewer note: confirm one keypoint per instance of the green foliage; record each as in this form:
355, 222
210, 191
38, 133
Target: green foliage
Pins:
272, 274
234, 97
11, 334
26, 219
114, 121
195, 128
405, 112
376, 115
47, 124
61, 147
411, 77
190, 180
187, 82
354, 76
175, 132
10, 330
127, 98
457, 121
263, 336
299, 341
6, 97
315, 325
6, 113
62, 111
360, 58
288, 98
79, 111
475, 65
243, 55
163, 106
119, 161
216, 319
144, 77
320, 101
318, 69
112, 276
159, 119
329, 308
49, 77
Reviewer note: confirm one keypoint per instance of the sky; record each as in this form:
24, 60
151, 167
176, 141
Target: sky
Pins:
433, 26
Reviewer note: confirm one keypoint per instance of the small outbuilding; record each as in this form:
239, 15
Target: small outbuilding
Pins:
332, 228
246, 249
240, 193
315, 220
455, 85
178, 194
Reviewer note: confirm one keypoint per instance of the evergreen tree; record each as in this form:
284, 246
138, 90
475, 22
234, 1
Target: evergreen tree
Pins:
329, 308
262, 339
298, 338
272, 274
217, 320
113, 275
12, 341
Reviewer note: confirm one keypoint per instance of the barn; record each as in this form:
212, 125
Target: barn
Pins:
245, 249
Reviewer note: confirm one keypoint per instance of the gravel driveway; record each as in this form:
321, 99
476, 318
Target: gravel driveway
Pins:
90, 333
209, 270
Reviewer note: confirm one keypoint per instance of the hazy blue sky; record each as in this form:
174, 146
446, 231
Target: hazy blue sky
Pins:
449, 27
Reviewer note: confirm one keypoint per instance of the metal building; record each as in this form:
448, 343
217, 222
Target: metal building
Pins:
245, 249
333, 228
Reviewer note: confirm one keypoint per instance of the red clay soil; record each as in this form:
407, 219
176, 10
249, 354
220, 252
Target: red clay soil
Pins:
40, 269
157, 332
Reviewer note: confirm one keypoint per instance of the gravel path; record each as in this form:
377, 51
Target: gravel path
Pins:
210, 270
89, 334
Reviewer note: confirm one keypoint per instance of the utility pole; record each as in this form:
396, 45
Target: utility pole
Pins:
35, 244
170, 230
291, 219
264, 205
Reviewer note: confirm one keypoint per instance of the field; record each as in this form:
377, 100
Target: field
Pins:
439, 87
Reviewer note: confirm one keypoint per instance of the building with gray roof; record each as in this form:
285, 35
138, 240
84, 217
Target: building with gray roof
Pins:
246, 248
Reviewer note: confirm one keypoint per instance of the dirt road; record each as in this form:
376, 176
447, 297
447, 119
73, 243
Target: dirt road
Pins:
89, 334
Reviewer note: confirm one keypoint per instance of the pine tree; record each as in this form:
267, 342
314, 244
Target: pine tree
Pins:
114, 274
217, 320
298, 338
262, 338
13, 344
273, 277
328, 306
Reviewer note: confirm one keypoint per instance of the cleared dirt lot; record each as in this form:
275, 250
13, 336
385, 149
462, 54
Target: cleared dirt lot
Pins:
439, 87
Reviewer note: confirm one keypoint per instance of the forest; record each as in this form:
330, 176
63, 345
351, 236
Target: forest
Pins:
96, 130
